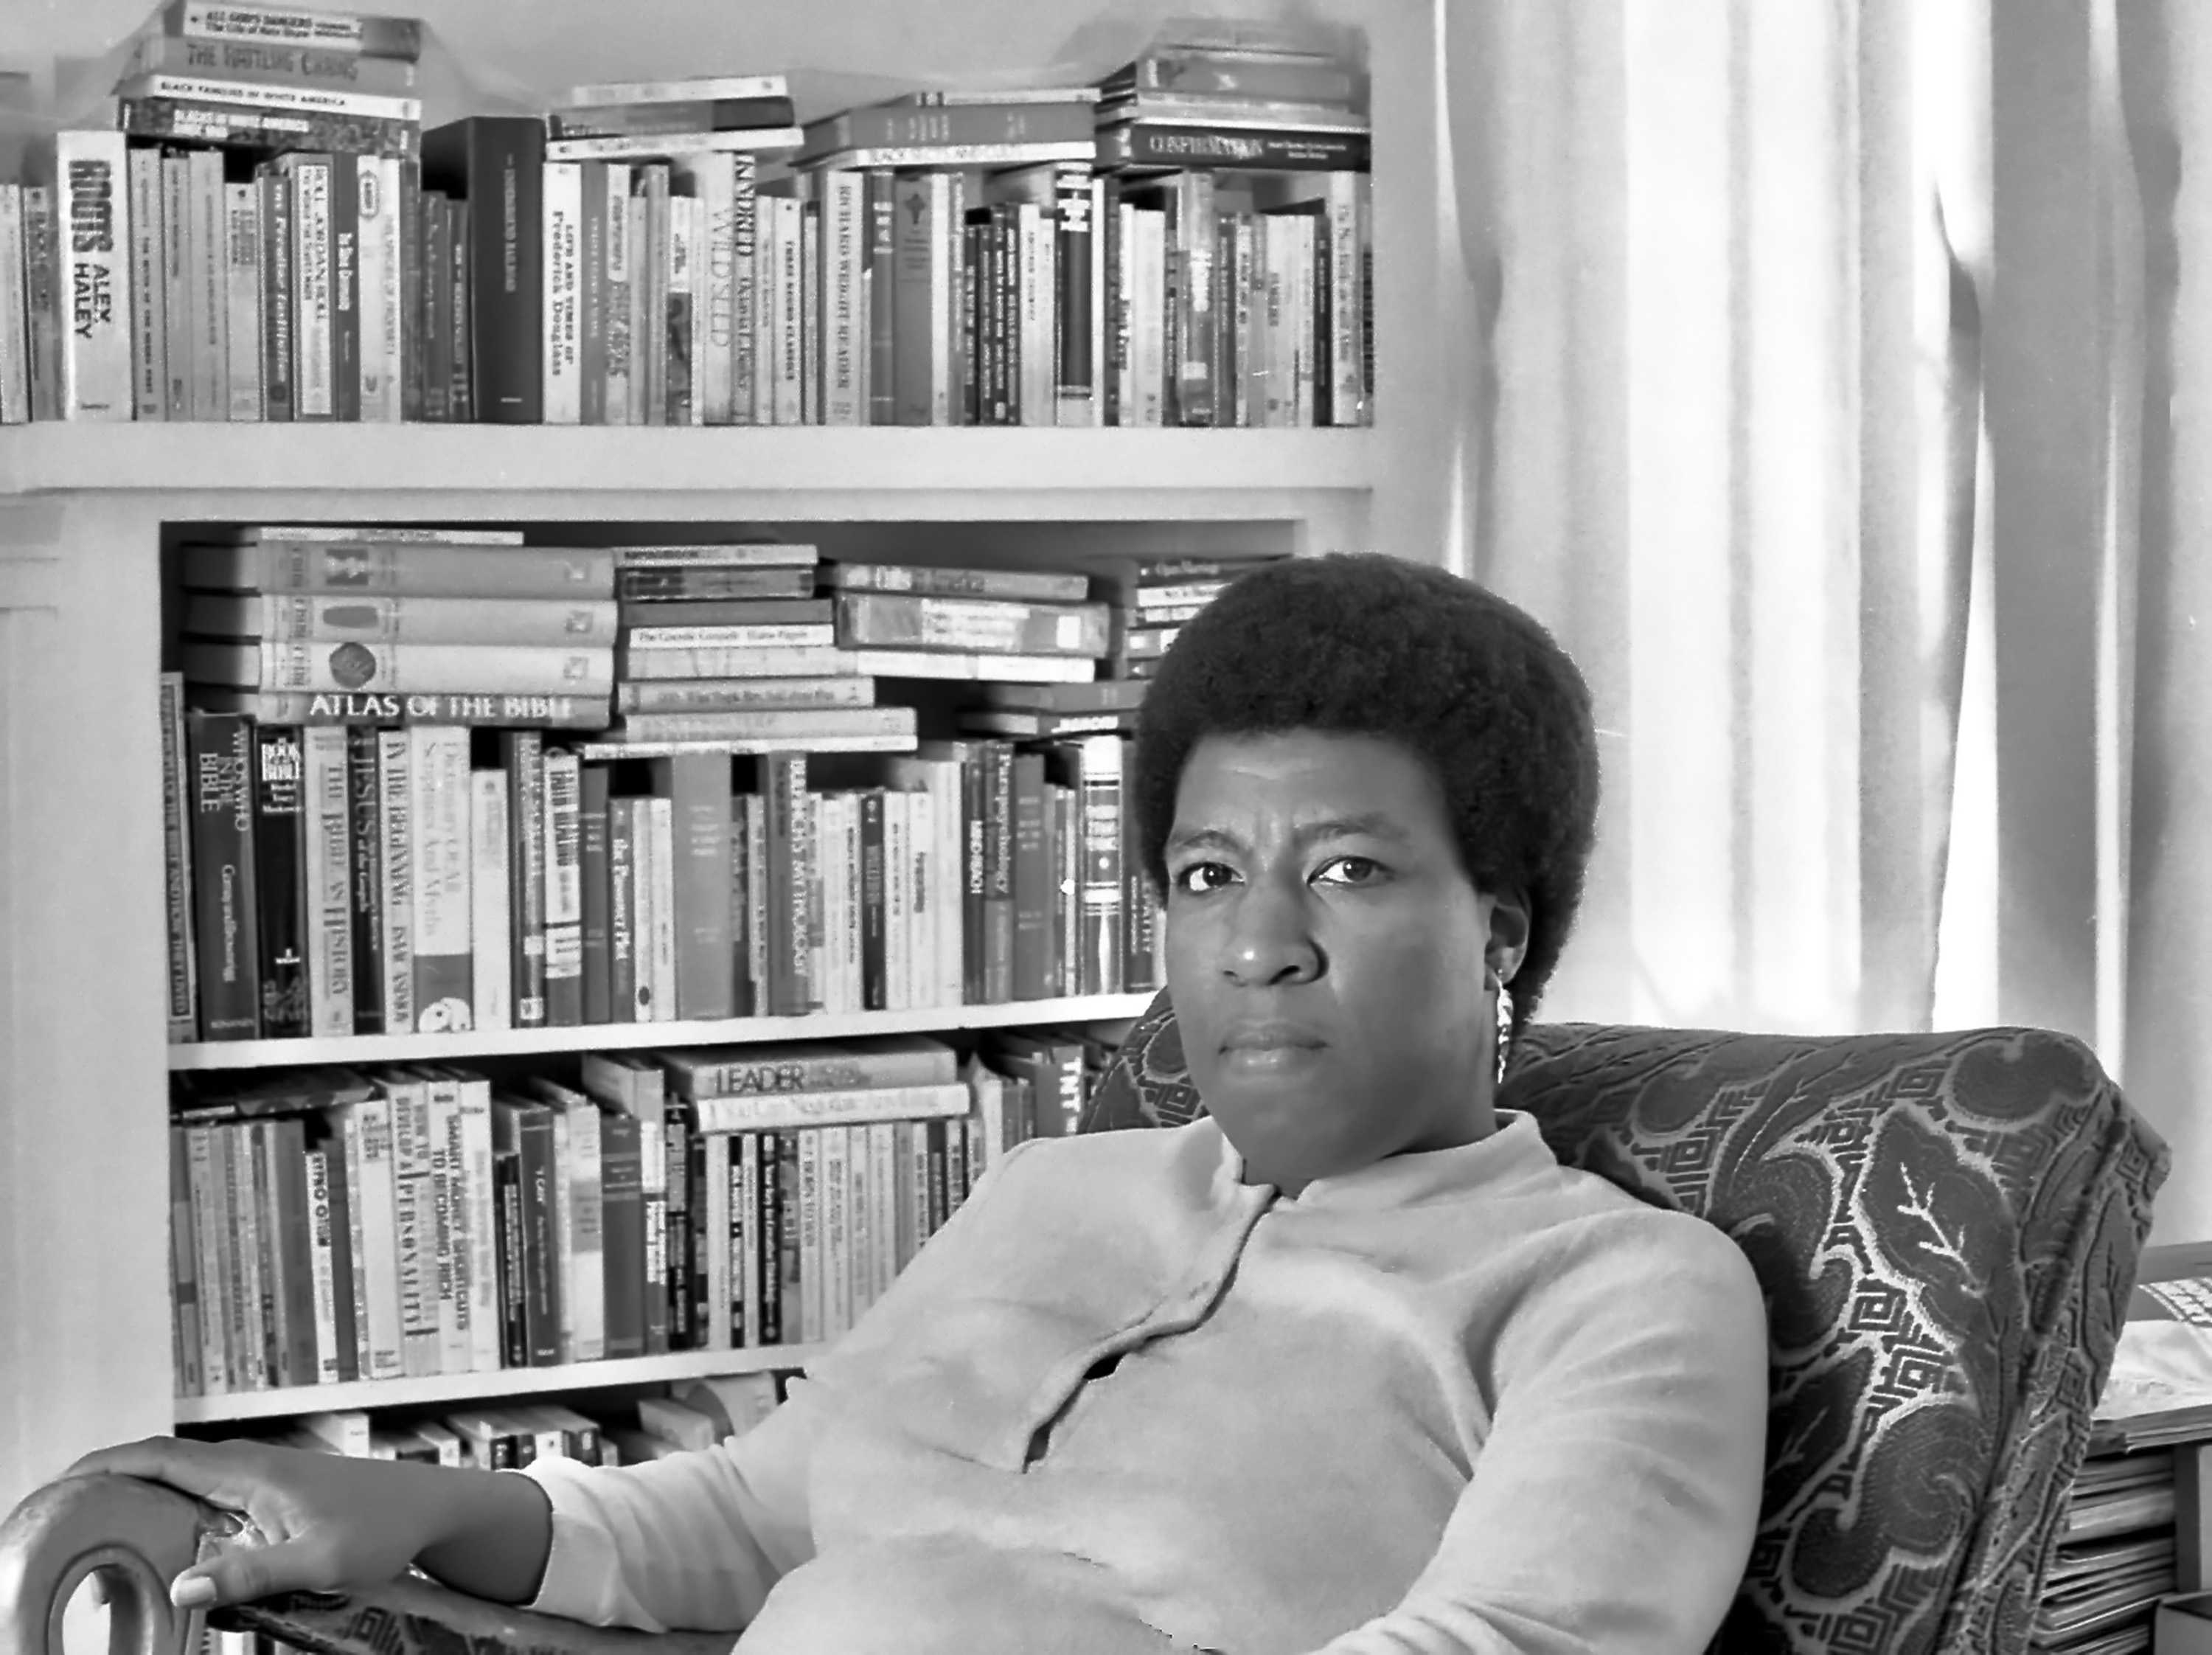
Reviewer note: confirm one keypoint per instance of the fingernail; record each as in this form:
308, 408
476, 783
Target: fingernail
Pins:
192, 1592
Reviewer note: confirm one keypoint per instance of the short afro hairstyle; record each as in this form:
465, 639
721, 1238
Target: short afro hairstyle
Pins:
1366, 644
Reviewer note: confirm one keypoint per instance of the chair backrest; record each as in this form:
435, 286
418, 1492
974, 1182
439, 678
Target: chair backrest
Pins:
1945, 1228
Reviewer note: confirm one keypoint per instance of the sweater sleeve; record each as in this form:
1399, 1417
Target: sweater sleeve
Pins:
1612, 1507
694, 1541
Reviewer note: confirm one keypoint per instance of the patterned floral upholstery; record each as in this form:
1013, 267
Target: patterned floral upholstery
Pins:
1946, 1227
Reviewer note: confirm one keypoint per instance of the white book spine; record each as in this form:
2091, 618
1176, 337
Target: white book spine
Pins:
587, 1279
637, 216
448, 1225
148, 334
314, 383
813, 1299
950, 861
395, 873
322, 1267
375, 183
439, 802
491, 995
837, 1230
242, 298
789, 366
562, 1191
481, 1198
202, 1153
92, 185
413, 1217
191, 89
347, 1121
211, 287
756, 832
329, 882
1148, 316
561, 362
844, 223
781, 1111
14, 329
945, 244
184, 963
922, 949
177, 308
714, 287
810, 316
562, 794
661, 823
380, 1209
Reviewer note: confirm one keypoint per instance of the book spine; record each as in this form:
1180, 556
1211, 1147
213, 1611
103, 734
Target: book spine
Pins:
682, 406
415, 1242
337, 1218
307, 1334
480, 1198
460, 325
998, 762
908, 379
948, 207
623, 1225
649, 349
890, 620
177, 814
1040, 289
365, 854
208, 302
209, 1242
279, 882
439, 811
314, 307
727, 177
183, 1278
1073, 229
342, 70
386, 1348
15, 335
1101, 803
661, 934
345, 288
176, 285
622, 910
882, 187
242, 300
228, 125
1226, 148
506, 314
561, 364
790, 945
697, 788
386, 228
491, 887
367, 34
562, 774
91, 183
279, 250
329, 883
357, 664
619, 254
435, 239
844, 223
809, 301
594, 891
448, 1225
144, 178
523, 753
591, 293
790, 321
874, 970
42, 289
395, 881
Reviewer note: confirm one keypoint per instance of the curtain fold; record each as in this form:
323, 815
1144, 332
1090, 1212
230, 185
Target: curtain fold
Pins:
1699, 240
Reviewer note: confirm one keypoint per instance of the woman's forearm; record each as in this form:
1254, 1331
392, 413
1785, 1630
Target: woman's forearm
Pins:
495, 1532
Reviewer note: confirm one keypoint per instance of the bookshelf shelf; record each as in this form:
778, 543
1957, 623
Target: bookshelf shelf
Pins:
611, 1037
514, 462
442, 1387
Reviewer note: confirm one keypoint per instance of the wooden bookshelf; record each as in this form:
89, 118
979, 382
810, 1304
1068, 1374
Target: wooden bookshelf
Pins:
85, 1313
438, 1389
624, 1036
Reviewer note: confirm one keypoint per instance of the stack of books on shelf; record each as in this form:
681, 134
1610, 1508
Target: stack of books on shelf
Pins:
264, 230
345, 1223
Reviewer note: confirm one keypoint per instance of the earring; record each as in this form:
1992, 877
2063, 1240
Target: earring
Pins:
1505, 1027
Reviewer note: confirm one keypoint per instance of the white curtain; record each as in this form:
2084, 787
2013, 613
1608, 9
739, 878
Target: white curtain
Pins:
1724, 443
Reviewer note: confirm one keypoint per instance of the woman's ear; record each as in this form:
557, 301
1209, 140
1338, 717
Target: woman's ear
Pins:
1506, 913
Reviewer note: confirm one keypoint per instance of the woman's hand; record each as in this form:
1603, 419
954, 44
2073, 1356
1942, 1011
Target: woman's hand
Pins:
320, 1522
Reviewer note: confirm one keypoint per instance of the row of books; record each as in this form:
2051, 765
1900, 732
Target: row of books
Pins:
330, 880
265, 237
408, 1221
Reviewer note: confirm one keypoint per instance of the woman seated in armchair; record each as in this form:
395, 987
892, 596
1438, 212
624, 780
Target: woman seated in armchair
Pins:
1349, 1364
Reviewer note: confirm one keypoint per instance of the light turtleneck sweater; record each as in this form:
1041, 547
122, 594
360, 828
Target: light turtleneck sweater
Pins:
1459, 1403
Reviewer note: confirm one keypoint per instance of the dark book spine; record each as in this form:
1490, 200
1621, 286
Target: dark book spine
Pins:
513, 1274
278, 316
882, 298
460, 297
744, 993
912, 234
875, 991
676, 1234
280, 873
790, 875
345, 287
1139, 913
524, 754
1233, 148
1224, 370
998, 874
790, 1290
621, 910
295, 1231
414, 373
1076, 372
940, 1207
768, 1238
1067, 889
345, 1309
436, 239
591, 297
235, 127
974, 883
365, 845
694, 1238
1033, 973
497, 163
971, 333
697, 787
623, 1234
541, 1252
597, 896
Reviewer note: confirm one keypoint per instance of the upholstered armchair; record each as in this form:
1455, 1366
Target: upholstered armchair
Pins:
1946, 1227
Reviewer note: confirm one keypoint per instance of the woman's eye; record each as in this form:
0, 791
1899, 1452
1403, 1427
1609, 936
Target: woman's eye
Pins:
1202, 876
1349, 870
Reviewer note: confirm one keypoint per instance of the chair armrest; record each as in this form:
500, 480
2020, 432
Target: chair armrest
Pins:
138, 1535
